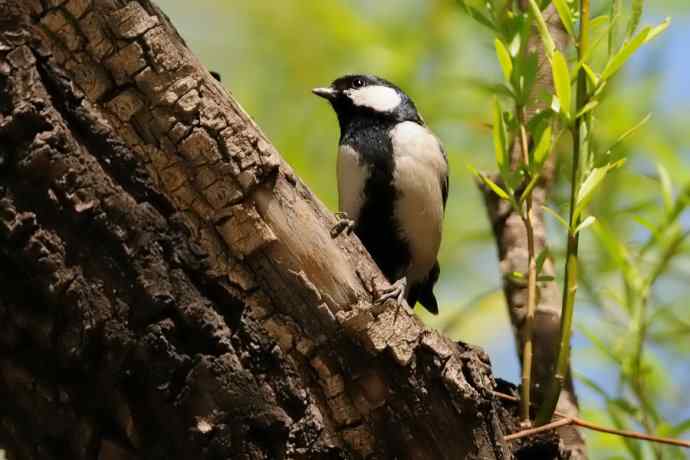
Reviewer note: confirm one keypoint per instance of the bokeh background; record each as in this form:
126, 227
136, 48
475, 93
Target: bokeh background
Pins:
270, 54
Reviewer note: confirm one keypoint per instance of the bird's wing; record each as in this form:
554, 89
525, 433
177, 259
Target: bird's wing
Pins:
444, 175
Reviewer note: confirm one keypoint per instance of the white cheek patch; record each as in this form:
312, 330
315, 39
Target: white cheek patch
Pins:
377, 97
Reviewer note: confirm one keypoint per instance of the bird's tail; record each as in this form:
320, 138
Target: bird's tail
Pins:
424, 291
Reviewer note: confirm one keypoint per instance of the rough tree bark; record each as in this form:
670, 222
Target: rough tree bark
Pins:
168, 286
511, 241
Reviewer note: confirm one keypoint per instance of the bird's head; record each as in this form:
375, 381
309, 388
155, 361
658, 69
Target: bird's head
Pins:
367, 96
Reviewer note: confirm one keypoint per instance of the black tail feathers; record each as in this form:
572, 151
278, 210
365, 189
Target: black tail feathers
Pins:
424, 291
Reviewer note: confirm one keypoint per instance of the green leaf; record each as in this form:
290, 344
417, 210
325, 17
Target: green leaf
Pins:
477, 15
612, 245
679, 429
541, 258
557, 216
617, 60
518, 275
528, 190
549, 45
629, 47
586, 380
591, 105
590, 184
635, 17
526, 66
496, 189
500, 138
585, 223
593, 78
543, 148
561, 78
613, 24
565, 15
504, 59
545, 278
658, 30
629, 132
600, 22
489, 183
666, 187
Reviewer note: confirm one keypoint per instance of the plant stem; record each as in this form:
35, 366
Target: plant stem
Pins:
589, 425
528, 327
570, 284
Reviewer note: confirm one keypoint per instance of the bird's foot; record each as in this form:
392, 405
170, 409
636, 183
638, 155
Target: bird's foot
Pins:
396, 291
343, 224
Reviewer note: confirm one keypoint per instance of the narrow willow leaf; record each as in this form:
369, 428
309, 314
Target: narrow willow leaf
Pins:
613, 25
600, 22
549, 45
666, 187
593, 78
680, 429
646, 35
528, 190
590, 184
617, 60
543, 146
489, 183
477, 15
585, 223
541, 258
504, 59
613, 246
496, 189
629, 132
565, 15
658, 30
591, 105
561, 79
635, 16
557, 216
647, 224
500, 138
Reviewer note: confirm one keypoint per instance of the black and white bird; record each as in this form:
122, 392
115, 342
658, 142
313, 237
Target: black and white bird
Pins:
392, 182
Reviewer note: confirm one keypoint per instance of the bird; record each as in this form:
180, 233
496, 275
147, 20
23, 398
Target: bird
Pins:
392, 174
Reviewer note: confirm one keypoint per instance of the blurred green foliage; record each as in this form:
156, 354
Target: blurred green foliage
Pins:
270, 54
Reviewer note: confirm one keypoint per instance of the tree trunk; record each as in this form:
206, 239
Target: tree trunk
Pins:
168, 286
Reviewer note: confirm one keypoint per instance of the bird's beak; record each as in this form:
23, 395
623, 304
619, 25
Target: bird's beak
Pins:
326, 93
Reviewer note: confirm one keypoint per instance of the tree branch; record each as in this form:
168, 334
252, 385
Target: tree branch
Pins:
169, 287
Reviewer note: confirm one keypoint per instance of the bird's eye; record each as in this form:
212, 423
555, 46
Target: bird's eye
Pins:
358, 83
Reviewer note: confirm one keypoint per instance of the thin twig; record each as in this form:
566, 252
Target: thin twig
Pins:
531, 284
568, 420
549, 426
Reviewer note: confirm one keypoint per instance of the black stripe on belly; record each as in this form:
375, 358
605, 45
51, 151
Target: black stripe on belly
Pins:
376, 226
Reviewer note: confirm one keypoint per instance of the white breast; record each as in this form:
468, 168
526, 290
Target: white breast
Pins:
352, 177
419, 166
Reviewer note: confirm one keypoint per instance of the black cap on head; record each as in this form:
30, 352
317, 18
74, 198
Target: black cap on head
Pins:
357, 96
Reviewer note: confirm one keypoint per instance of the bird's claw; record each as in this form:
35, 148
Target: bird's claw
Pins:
344, 224
396, 291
